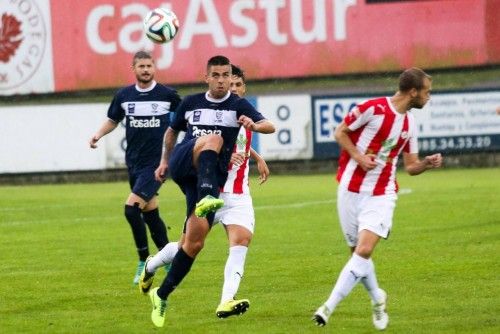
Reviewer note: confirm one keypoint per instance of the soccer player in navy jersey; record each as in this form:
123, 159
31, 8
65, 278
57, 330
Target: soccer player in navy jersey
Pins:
236, 216
372, 136
199, 164
146, 107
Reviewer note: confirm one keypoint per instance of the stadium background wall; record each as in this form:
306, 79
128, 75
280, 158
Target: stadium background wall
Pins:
52, 51
463, 125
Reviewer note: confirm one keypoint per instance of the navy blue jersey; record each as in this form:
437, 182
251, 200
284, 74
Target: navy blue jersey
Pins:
201, 115
147, 116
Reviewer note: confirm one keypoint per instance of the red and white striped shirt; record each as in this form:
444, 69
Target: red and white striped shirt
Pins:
377, 129
237, 179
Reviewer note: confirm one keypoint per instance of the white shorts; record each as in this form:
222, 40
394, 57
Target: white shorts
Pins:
237, 210
364, 212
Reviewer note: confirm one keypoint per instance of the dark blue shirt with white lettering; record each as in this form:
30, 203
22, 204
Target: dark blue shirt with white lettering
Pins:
201, 115
147, 115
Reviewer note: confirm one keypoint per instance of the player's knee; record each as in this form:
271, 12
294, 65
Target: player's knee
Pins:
213, 142
132, 211
364, 251
242, 241
193, 247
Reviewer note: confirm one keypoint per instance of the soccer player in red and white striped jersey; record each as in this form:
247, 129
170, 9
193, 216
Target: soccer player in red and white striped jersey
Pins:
237, 214
372, 136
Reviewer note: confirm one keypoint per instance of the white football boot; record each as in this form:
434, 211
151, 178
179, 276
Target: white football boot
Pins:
380, 316
321, 315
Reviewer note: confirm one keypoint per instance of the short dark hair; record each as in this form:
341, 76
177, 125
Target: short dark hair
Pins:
237, 71
218, 61
412, 78
141, 55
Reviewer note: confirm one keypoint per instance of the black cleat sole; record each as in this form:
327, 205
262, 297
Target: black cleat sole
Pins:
318, 320
238, 309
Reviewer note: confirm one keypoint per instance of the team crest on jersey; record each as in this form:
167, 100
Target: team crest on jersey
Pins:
196, 116
154, 107
218, 117
131, 108
404, 134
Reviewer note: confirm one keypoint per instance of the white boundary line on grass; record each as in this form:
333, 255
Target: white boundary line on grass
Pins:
403, 191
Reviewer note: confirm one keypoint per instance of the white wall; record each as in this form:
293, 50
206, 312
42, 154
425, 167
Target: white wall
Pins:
53, 138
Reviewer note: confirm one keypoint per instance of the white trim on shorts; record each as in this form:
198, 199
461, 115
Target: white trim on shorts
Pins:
237, 210
362, 211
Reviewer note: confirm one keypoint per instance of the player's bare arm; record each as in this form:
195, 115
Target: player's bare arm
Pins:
415, 166
237, 158
261, 166
365, 161
170, 138
106, 128
263, 126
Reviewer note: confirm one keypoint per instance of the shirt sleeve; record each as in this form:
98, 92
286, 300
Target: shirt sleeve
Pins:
245, 108
411, 146
358, 116
115, 110
174, 100
179, 122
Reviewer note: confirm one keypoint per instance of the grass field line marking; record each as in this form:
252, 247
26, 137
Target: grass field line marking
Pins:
403, 191
46, 221
54, 206
294, 205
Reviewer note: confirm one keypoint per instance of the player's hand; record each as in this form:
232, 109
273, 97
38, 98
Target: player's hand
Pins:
246, 122
263, 171
367, 162
93, 142
434, 161
161, 171
237, 159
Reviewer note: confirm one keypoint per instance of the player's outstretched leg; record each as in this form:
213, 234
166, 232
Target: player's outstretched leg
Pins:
159, 308
380, 316
146, 278
207, 205
321, 316
232, 307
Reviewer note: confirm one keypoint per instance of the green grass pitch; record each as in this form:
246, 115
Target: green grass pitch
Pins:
67, 260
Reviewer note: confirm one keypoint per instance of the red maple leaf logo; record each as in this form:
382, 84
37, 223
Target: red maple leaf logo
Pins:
10, 38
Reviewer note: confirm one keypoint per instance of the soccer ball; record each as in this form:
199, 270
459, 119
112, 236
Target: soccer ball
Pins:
161, 25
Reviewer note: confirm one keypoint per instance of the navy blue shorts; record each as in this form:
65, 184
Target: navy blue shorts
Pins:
184, 173
142, 182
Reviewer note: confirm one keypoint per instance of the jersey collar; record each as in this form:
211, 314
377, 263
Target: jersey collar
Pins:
391, 106
150, 88
211, 99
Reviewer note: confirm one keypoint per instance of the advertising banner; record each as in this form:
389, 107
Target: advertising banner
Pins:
25, 47
75, 45
460, 122
292, 117
449, 123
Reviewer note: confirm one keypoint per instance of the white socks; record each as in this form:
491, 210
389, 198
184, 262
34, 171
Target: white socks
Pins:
354, 270
233, 272
164, 256
370, 283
